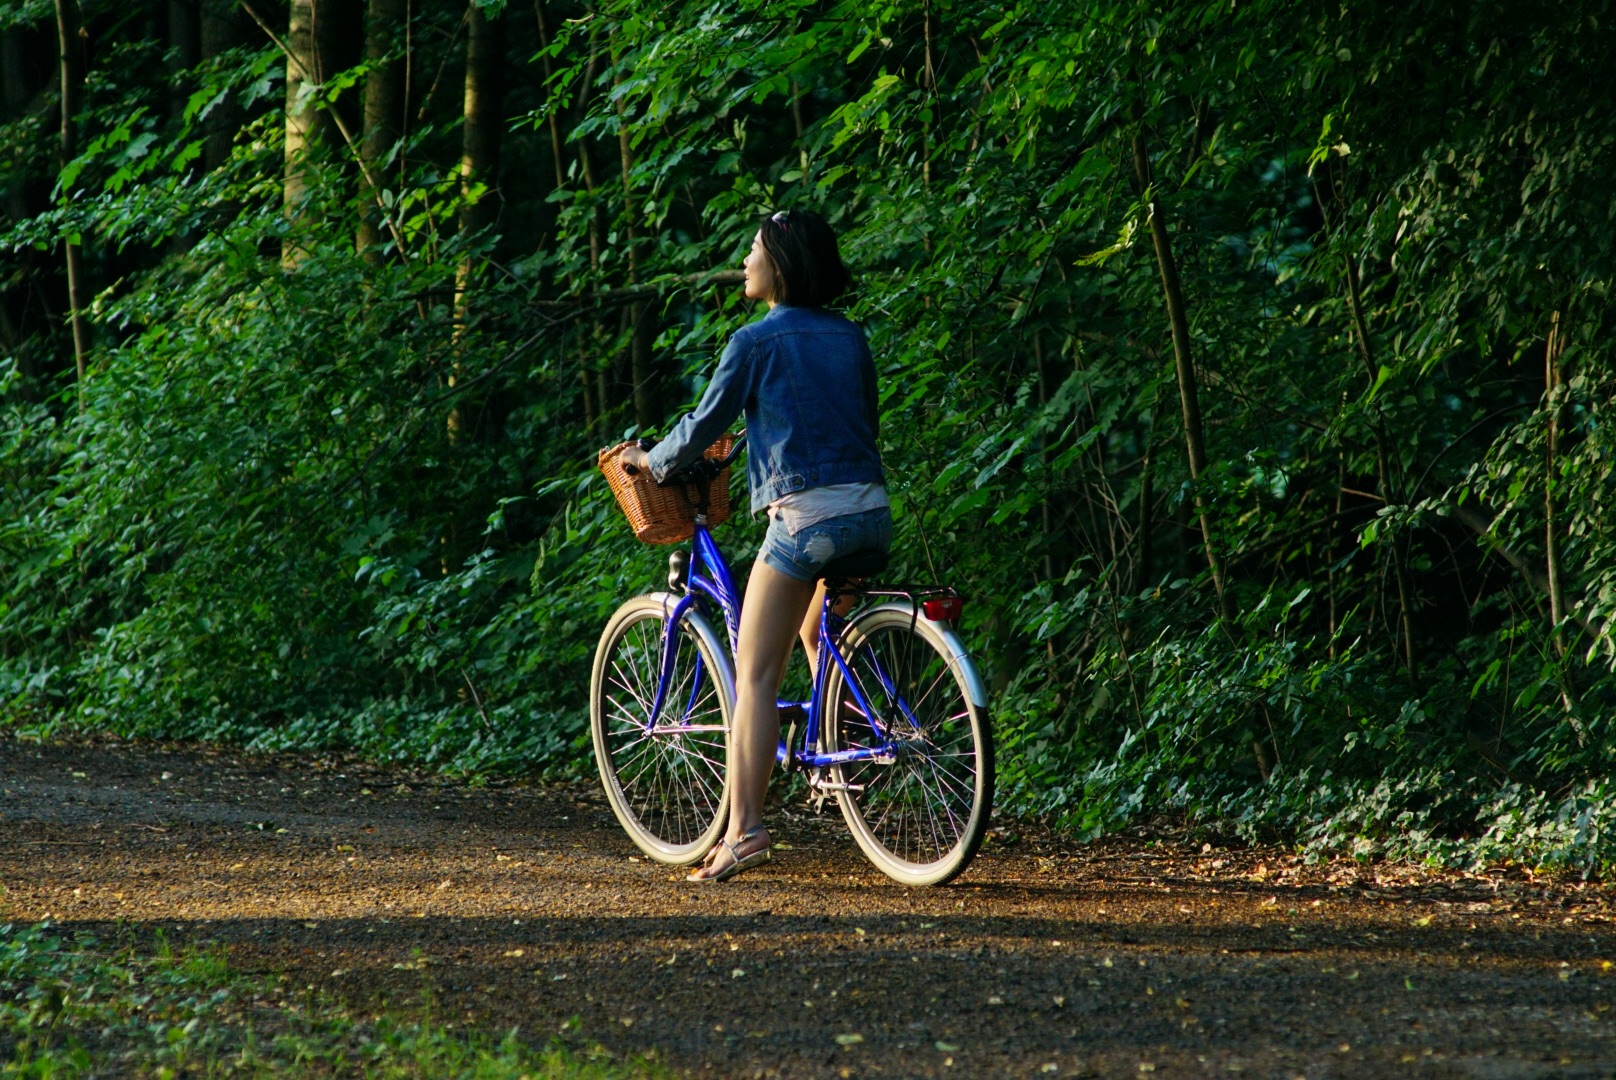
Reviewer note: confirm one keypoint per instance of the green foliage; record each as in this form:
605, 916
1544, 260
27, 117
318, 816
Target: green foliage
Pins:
318, 498
81, 1007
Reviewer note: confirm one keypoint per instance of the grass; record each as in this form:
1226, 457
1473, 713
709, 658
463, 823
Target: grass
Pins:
80, 1007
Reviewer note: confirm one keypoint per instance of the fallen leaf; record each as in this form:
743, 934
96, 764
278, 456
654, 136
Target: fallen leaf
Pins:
995, 1000
737, 973
850, 1038
946, 1047
514, 952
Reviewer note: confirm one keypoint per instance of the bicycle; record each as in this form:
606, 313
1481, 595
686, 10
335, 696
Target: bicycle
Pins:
895, 728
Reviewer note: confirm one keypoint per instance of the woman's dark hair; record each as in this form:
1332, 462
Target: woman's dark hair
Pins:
808, 270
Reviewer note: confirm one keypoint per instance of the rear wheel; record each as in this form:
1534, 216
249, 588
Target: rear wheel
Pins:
920, 811
667, 780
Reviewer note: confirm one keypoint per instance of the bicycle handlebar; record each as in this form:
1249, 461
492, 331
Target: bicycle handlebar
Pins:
700, 469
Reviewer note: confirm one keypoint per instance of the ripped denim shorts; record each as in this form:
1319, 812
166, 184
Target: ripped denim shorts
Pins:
804, 555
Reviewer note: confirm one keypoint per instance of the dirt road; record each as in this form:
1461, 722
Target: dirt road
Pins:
524, 906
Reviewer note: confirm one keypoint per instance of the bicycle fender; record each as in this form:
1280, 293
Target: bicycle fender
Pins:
956, 650
671, 606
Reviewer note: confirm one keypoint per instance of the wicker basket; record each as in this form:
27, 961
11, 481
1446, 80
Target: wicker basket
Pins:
666, 515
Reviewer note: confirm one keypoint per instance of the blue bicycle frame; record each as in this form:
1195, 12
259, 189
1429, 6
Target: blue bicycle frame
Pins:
709, 579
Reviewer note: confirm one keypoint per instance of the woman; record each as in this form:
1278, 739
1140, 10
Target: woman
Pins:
804, 377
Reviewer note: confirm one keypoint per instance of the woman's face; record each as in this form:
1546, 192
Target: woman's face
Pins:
759, 272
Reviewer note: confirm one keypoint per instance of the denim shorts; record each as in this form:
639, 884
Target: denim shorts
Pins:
804, 555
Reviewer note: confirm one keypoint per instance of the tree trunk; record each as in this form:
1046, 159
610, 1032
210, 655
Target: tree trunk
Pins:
14, 87
549, 73
479, 159
184, 53
797, 123
586, 160
1183, 363
384, 109
220, 32
1553, 400
480, 136
185, 49
302, 118
930, 82
67, 36
586, 378
1552, 394
1146, 569
642, 314
1048, 519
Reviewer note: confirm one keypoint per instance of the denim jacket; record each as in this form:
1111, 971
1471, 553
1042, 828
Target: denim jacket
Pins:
806, 381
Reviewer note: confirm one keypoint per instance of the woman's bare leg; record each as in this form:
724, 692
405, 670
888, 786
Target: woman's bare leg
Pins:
771, 614
809, 632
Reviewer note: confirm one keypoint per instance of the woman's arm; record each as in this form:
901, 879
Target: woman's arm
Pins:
720, 405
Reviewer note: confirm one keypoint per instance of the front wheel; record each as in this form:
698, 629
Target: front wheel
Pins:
920, 808
666, 776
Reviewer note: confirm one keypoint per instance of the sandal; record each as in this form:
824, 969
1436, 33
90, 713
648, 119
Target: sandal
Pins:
740, 863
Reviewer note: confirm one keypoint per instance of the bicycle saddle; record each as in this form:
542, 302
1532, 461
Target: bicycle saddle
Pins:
858, 564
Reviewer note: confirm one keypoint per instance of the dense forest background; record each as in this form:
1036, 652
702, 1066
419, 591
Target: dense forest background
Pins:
1247, 364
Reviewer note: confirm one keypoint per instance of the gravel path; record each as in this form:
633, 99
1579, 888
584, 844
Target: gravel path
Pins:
524, 906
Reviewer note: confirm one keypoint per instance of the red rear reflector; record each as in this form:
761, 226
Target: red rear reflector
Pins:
943, 608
